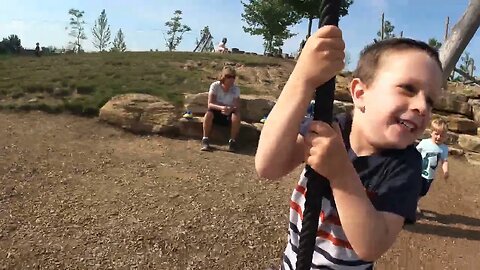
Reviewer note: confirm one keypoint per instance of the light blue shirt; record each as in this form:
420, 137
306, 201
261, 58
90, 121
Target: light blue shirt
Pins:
432, 155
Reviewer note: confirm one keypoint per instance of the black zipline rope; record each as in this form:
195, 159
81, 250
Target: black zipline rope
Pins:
317, 185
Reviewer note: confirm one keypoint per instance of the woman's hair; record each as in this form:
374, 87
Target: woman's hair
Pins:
227, 71
224, 40
371, 56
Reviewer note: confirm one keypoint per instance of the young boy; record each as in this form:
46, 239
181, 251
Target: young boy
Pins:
434, 153
369, 158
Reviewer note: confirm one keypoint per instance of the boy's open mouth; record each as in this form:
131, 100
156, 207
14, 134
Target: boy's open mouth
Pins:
408, 124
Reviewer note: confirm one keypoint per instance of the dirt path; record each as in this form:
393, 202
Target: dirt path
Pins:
78, 194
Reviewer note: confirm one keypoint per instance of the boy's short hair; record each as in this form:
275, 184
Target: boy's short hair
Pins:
439, 124
372, 54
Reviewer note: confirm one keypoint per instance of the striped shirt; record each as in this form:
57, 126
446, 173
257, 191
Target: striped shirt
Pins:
392, 182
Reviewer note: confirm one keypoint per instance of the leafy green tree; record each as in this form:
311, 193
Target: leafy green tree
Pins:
388, 29
434, 43
467, 65
77, 29
11, 44
269, 19
310, 9
176, 31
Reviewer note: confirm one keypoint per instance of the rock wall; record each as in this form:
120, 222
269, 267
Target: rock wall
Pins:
142, 113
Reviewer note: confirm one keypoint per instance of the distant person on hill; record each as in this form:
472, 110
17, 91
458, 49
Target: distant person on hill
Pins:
37, 49
223, 108
221, 46
434, 154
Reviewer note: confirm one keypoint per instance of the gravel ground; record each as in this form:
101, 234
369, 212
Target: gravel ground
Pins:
78, 194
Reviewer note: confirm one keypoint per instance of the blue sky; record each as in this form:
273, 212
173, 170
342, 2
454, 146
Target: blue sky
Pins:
143, 22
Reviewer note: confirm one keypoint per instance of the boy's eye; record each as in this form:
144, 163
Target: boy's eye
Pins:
409, 88
412, 90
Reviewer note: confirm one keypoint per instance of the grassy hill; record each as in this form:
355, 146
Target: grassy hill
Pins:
82, 83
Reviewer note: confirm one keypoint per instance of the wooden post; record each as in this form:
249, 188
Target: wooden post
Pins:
447, 22
310, 20
382, 31
401, 34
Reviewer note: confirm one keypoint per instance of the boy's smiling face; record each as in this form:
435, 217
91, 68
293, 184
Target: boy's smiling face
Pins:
398, 103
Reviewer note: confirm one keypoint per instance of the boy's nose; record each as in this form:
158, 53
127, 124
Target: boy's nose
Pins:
419, 103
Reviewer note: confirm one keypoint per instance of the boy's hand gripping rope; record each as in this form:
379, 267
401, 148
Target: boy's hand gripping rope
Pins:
317, 185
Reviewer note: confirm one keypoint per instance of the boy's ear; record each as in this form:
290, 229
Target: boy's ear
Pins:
357, 91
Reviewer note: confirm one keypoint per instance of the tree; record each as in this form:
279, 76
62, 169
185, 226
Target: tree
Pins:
270, 19
11, 44
348, 59
434, 43
310, 9
468, 64
76, 29
176, 31
460, 36
387, 31
119, 42
101, 32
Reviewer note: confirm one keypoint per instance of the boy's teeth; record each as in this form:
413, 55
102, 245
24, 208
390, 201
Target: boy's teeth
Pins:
408, 125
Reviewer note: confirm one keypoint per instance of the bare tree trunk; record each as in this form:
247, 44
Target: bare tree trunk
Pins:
461, 34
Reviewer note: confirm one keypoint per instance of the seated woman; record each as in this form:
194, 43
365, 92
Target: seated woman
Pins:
221, 46
223, 108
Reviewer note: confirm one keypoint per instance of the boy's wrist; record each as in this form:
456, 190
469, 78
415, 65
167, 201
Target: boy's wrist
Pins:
301, 84
344, 177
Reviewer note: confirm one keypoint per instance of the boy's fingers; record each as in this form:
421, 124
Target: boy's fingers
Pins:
330, 31
320, 128
307, 139
329, 43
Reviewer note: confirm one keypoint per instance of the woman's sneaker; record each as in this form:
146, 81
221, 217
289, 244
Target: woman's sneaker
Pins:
188, 115
205, 145
232, 145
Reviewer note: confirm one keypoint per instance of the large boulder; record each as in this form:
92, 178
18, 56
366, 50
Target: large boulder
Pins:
343, 94
140, 113
252, 107
469, 142
475, 103
193, 128
473, 158
454, 103
342, 107
461, 124
196, 103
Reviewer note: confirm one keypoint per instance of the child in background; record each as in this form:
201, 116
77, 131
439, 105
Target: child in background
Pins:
434, 153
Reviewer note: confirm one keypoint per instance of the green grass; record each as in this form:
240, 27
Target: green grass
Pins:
83, 83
